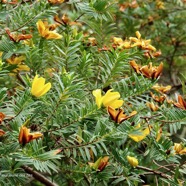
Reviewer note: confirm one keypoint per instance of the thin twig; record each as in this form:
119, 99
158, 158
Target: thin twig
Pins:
163, 167
38, 176
163, 175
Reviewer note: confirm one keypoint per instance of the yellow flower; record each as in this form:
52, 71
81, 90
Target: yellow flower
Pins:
159, 99
118, 42
181, 103
109, 99
142, 43
140, 137
25, 136
132, 161
46, 31
160, 4
15, 60
179, 149
39, 88
18, 60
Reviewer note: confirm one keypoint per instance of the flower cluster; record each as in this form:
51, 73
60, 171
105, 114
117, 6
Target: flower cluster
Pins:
148, 71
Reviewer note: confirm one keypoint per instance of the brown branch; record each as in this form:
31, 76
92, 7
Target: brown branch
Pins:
162, 167
38, 176
163, 175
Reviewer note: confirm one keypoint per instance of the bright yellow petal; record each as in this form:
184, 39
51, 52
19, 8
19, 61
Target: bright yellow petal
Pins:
183, 151
146, 131
52, 35
37, 85
137, 138
23, 68
111, 99
97, 94
44, 90
140, 137
115, 104
35, 135
34, 82
19, 59
41, 28
133, 39
138, 34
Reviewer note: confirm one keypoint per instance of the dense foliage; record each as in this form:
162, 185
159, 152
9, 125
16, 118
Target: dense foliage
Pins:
92, 92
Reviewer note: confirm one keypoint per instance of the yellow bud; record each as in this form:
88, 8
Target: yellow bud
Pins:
132, 161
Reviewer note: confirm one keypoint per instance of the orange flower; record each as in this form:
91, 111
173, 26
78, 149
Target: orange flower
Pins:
2, 132
152, 54
25, 136
152, 72
92, 41
159, 99
181, 103
148, 71
118, 115
13, 2
17, 37
55, 1
2, 116
135, 66
179, 149
100, 164
123, 6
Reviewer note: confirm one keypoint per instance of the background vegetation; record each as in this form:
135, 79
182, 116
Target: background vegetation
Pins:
65, 133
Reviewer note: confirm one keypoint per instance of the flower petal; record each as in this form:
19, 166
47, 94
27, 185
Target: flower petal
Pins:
52, 35
111, 99
41, 28
44, 90
97, 94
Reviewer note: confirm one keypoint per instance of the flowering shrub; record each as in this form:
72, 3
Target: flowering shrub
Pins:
85, 98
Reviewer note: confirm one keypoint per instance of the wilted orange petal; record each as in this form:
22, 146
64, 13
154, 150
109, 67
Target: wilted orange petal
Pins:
158, 71
181, 103
103, 163
2, 132
135, 66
